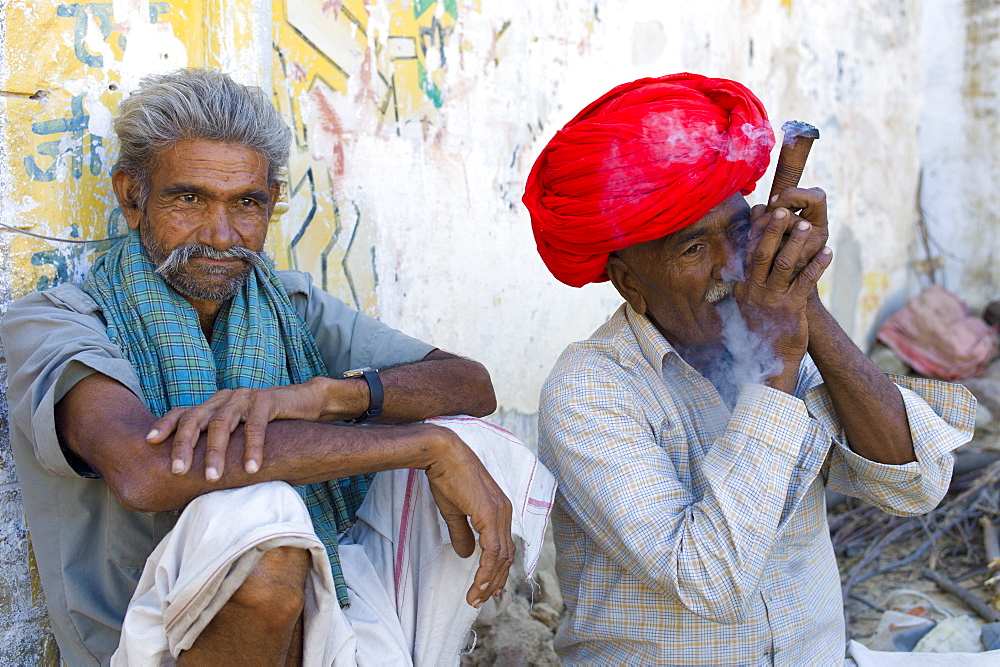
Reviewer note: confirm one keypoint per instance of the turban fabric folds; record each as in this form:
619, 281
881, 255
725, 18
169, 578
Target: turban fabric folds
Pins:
646, 159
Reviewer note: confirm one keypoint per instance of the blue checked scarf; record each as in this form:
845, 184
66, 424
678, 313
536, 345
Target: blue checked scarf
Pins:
258, 341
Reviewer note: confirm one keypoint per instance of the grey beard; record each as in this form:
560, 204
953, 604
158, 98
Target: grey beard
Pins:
173, 269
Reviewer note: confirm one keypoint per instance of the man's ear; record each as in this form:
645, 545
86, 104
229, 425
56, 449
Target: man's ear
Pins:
626, 282
126, 190
275, 195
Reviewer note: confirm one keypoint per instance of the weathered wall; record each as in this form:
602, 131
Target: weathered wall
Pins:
415, 124
958, 138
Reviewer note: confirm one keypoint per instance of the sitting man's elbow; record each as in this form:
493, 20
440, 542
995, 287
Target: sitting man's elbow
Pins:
134, 497
487, 403
139, 492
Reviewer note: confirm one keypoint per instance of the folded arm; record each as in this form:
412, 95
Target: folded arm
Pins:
440, 384
105, 424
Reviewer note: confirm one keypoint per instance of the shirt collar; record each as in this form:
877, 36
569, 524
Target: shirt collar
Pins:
654, 346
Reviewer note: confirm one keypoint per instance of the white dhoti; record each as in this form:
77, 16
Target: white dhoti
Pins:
406, 585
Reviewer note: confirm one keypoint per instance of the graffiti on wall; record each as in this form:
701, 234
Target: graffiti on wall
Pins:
65, 68
342, 67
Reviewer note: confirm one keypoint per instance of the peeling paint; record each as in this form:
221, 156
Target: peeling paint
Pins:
958, 134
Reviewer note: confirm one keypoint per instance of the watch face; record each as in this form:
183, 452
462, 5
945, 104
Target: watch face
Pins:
355, 372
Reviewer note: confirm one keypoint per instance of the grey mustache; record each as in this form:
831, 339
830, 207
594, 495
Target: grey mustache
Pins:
718, 292
183, 254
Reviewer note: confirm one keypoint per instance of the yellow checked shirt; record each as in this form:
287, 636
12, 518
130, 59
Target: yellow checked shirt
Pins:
687, 533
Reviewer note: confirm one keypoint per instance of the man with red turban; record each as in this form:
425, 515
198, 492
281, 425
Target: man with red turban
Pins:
692, 434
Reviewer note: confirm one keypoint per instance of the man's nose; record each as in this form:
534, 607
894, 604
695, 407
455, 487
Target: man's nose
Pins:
727, 262
217, 229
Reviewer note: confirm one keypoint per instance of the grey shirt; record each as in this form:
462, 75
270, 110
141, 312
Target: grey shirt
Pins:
90, 552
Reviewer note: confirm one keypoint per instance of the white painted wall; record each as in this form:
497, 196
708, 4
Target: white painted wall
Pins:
455, 256
959, 144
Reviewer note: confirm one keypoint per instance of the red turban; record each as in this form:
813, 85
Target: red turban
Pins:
646, 159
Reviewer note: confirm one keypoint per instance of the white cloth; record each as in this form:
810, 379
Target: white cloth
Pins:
406, 585
866, 657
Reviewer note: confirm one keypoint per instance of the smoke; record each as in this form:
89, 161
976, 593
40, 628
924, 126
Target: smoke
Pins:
642, 159
637, 162
669, 137
749, 356
756, 140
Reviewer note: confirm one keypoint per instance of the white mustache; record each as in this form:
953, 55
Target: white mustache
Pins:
182, 254
718, 292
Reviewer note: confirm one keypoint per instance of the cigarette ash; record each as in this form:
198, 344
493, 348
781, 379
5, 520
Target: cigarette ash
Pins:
794, 129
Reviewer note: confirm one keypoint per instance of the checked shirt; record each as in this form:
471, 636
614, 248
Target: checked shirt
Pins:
689, 533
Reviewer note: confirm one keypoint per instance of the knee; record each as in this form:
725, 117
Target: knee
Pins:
275, 589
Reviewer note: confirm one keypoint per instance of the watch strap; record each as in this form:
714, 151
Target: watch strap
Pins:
374, 410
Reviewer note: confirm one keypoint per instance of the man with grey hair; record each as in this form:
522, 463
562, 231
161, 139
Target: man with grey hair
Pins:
187, 374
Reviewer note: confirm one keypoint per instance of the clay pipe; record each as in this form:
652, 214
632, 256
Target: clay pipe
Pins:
795, 147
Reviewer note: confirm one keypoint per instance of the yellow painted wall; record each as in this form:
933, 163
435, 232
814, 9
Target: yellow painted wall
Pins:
319, 46
69, 65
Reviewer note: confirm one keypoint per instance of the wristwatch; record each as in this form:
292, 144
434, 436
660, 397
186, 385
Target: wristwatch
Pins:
370, 375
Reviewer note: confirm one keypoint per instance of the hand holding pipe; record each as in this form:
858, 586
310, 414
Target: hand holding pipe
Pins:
795, 147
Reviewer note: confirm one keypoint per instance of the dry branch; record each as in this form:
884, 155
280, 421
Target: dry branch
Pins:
969, 598
869, 529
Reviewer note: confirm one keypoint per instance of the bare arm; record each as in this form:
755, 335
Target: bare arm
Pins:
868, 405
102, 422
439, 384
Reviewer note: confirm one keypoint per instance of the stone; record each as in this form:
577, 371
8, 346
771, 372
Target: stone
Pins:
548, 589
544, 613
513, 637
887, 361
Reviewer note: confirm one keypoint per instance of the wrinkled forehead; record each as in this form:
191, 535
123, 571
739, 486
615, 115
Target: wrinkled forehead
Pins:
200, 159
732, 213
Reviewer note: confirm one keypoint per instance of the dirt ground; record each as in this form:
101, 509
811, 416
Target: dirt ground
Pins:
960, 556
